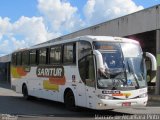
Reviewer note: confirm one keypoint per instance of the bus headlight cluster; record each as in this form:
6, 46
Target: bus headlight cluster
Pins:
143, 95
104, 96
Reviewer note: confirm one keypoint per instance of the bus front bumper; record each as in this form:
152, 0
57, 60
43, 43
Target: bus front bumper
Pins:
128, 103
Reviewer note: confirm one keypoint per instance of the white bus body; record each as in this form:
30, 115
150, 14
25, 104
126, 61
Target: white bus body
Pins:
96, 72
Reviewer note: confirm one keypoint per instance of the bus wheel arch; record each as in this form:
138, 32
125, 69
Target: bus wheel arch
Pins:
25, 91
69, 99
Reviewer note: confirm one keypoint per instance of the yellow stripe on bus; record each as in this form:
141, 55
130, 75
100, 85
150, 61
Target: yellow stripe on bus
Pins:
14, 73
48, 86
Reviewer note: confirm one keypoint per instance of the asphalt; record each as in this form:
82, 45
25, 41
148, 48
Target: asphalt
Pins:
151, 97
12, 106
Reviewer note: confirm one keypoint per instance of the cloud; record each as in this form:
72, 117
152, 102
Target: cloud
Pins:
5, 26
22, 33
60, 15
97, 11
32, 30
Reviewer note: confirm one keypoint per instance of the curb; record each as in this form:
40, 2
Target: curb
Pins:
154, 97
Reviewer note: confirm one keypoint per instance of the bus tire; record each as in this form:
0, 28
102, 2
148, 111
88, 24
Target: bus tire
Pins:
25, 92
69, 100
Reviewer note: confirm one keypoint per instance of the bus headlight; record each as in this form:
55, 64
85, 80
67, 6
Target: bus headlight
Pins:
143, 95
104, 96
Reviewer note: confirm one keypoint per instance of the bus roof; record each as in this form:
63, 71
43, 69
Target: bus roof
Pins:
87, 38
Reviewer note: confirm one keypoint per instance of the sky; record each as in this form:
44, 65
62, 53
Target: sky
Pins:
24, 23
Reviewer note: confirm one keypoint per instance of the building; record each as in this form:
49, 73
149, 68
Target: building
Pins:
143, 26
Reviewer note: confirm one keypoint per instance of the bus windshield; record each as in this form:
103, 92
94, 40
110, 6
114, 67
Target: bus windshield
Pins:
124, 66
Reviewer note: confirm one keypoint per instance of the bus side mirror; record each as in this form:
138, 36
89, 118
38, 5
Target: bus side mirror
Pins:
152, 59
99, 60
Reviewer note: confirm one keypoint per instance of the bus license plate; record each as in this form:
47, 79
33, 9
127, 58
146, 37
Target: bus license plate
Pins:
125, 104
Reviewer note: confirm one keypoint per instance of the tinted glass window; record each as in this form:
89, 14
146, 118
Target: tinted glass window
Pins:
42, 56
87, 71
86, 63
82, 69
90, 71
32, 57
69, 53
14, 58
25, 58
84, 48
55, 55
19, 58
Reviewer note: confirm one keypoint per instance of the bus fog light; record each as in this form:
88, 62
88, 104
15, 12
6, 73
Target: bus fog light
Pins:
100, 104
143, 95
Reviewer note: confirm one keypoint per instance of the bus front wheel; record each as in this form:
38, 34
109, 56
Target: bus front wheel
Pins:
25, 92
69, 100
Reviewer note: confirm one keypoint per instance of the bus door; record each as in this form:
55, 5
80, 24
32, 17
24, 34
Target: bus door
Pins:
81, 94
90, 80
86, 72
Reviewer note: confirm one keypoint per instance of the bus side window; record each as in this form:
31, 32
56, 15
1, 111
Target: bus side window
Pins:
19, 59
42, 56
86, 63
14, 58
32, 57
25, 58
69, 53
55, 55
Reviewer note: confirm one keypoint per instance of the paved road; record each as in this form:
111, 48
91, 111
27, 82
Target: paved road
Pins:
12, 105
